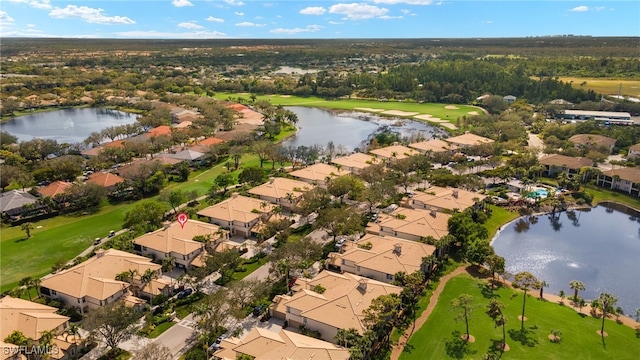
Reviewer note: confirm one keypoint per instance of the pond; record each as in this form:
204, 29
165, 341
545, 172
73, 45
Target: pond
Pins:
598, 246
349, 129
67, 125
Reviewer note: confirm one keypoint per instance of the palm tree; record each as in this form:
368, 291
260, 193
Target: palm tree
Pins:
607, 301
36, 284
72, 330
168, 264
525, 281
541, 285
26, 284
494, 310
463, 304
576, 285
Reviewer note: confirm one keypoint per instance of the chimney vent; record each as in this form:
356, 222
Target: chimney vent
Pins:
362, 284
433, 212
455, 194
397, 248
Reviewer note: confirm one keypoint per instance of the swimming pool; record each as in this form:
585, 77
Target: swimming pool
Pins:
542, 193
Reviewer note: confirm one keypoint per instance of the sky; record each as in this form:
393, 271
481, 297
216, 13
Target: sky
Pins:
233, 19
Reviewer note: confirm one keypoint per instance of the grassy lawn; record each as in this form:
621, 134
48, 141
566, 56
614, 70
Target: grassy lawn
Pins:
237, 276
606, 86
437, 110
160, 329
600, 194
62, 237
579, 337
499, 217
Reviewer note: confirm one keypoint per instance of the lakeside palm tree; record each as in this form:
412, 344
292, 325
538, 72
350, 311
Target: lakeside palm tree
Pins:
576, 286
525, 281
606, 301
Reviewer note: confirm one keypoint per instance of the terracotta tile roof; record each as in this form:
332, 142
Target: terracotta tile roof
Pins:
237, 208
177, 239
356, 161
94, 151
394, 152
342, 304
279, 188
264, 344
27, 317
421, 223
435, 145
598, 140
96, 276
468, 139
236, 107
631, 174
162, 130
565, 161
114, 144
445, 198
55, 188
635, 147
319, 172
211, 141
105, 179
388, 254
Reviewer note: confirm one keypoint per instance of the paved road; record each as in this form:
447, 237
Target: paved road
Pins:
180, 336
535, 142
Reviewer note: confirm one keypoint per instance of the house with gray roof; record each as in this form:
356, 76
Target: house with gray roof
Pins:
13, 202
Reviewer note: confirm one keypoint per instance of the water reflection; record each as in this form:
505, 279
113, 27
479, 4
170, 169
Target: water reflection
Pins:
599, 248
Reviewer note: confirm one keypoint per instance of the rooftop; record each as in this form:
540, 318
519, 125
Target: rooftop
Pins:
162, 130
96, 276
27, 317
238, 208
468, 139
105, 179
447, 198
356, 161
55, 188
319, 172
631, 174
264, 344
280, 188
420, 223
435, 145
598, 140
388, 254
15, 199
178, 239
394, 152
565, 161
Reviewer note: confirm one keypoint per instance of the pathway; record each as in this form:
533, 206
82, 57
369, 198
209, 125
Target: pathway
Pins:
433, 300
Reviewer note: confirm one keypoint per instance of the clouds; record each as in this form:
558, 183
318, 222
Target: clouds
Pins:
584, 8
234, 2
190, 25
215, 19
90, 15
313, 10
293, 31
408, 2
153, 34
5, 18
249, 24
181, 3
356, 11
38, 4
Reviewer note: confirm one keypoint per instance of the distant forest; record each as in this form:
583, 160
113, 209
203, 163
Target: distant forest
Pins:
430, 70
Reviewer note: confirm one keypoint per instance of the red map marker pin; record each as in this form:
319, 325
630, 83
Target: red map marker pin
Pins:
182, 219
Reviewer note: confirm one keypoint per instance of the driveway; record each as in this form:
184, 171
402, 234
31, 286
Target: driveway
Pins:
179, 337
535, 142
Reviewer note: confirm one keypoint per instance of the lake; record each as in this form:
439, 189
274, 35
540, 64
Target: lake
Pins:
598, 246
347, 128
67, 125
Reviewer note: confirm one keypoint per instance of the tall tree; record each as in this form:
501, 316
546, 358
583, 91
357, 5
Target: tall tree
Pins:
27, 227
463, 305
576, 285
606, 301
494, 310
145, 216
113, 322
525, 281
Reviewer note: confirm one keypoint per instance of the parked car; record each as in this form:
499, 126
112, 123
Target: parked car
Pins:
257, 311
216, 344
184, 293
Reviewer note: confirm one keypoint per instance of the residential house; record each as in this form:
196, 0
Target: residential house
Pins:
238, 214
509, 99
93, 283
394, 152
17, 202
179, 115
440, 199
176, 241
32, 319
468, 139
189, 156
318, 174
263, 344
411, 224
355, 162
434, 146
582, 141
339, 306
107, 180
205, 145
634, 151
162, 130
281, 191
55, 188
556, 163
613, 117
380, 257
626, 179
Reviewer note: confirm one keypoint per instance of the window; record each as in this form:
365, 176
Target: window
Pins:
357, 268
389, 277
343, 262
53, 292
144, 248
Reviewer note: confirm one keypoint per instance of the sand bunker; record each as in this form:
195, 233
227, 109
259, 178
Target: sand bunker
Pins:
451, 107
449, 126
285, 96
368, 109
473, 113
423, 117
399, 113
